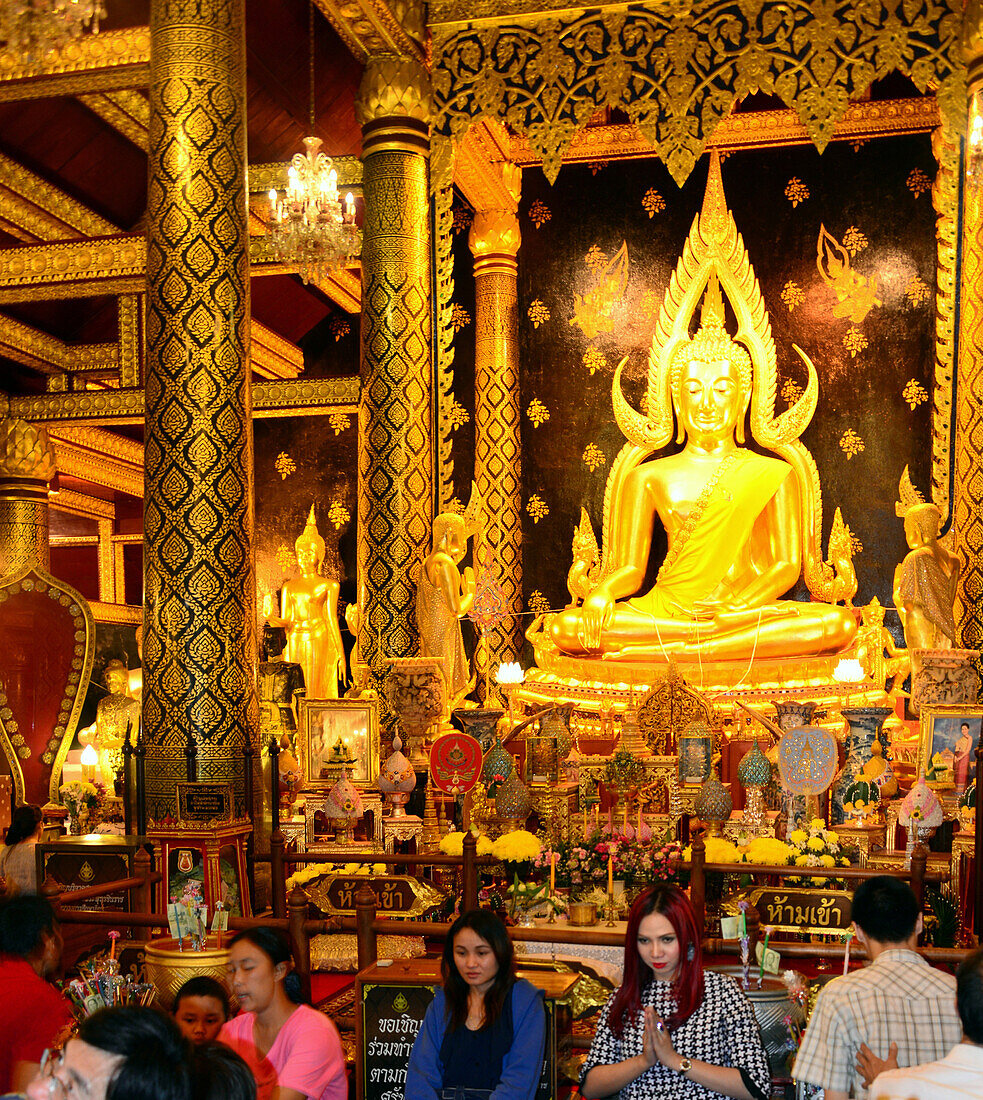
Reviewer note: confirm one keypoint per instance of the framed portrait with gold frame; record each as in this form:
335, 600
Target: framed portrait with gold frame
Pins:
339, 733
947, 747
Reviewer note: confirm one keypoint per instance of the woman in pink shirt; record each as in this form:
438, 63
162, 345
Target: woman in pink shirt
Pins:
293, 1051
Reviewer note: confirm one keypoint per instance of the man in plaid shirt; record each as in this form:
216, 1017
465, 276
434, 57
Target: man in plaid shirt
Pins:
898, 999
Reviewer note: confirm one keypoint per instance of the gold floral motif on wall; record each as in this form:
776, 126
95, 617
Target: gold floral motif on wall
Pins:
284, 465
796, 191
854, 241
537, 603
460, 318
792, 295
537, 412
596, 166
538, 312
917, 291
649, 305
596, 257
339, 327
914, 394
918, 182
851, 444
791, 391
539, 213
339, 422
594, 359
652, 202
462, 217
457, 415
593, 457
338, 514
594, 311
285, 556
856, 546
854, 341
537, 508
856, 294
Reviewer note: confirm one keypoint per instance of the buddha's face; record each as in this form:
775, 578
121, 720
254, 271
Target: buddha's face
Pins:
307, 557
116, 681
709, 401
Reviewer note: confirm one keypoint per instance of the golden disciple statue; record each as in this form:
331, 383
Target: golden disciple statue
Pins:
309, 611
114, 712
925, 582
443, 595
742, 526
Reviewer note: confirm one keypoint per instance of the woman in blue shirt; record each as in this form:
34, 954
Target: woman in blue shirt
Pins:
484, 1033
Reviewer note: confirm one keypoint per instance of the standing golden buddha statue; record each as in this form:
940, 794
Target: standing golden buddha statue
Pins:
443, 595
742, 526
114, 712
309, 612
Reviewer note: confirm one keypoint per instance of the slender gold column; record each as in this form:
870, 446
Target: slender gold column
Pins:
494, 241
968, 489
27, 464
199, 633
395, 496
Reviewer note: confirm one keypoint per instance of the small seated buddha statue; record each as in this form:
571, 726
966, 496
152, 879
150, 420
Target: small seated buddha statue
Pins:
742, 526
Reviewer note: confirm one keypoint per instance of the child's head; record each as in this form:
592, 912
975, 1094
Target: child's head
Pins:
201, 1007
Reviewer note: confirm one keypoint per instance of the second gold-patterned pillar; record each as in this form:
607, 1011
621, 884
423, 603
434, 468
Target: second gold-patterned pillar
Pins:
494, 241
199, 614
27, 465
968, 488
395, 482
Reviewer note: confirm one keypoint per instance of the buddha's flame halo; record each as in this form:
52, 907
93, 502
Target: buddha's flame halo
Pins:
715, 248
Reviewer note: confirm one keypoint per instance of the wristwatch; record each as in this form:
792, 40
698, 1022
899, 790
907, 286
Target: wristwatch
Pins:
685, 1066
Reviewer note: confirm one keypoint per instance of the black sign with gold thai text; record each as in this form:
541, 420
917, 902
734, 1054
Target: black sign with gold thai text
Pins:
806, 910
204, 803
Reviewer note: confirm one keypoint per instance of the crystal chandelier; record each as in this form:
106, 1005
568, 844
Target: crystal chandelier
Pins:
33, 28
308, 228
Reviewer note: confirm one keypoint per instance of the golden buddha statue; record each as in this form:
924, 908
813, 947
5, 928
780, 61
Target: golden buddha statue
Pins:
925, 582
742, 526
309, 611
114, 712
443, 595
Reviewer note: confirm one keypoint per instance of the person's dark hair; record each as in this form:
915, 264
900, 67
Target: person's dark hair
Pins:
969, 996
277, 950
156, 1057
218, 1073
687, 987
203, 986
23, 823
490, 928
23, 919
885, 908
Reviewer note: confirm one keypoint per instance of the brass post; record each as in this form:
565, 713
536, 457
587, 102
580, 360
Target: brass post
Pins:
199, 609
698, 885
300, 944
395, 466
494, 242
365, 903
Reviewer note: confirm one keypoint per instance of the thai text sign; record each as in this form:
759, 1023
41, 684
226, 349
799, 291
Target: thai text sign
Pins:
805, 910
396, 895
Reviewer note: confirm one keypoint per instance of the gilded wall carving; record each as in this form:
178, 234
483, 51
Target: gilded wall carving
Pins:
676, 71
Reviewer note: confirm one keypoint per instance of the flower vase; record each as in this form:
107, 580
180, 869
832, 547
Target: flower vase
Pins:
864, 725
74, 828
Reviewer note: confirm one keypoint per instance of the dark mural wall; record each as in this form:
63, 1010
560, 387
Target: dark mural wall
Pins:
867, 322
304, 460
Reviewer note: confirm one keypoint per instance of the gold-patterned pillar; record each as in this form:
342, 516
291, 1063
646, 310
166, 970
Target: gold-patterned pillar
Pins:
968, 488
494, 241
396, 479
27, 465
199, 646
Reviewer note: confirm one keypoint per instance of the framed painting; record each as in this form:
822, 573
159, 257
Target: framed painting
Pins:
949, 737
339, 733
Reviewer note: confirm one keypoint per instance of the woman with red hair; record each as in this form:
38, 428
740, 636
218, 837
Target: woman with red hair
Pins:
674, 1030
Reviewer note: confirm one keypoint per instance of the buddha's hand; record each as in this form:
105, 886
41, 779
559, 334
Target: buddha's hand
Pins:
467, 581
594, 617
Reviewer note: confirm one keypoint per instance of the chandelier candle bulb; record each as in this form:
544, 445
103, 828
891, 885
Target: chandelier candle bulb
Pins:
610, 875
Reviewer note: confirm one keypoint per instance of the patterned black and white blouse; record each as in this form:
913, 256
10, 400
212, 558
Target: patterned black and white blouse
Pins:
722, 1031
